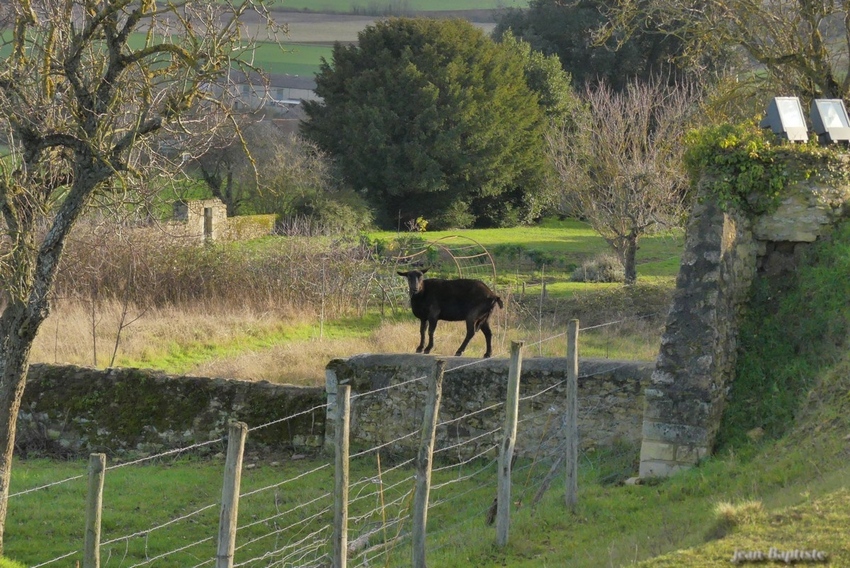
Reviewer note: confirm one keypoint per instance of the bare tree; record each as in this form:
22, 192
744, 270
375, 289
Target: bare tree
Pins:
256, 164
620, 162
800, 47
92, 93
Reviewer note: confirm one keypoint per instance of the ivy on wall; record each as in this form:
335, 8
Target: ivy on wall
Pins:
748, 168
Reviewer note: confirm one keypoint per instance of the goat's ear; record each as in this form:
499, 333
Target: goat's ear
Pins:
424, 270
401, 273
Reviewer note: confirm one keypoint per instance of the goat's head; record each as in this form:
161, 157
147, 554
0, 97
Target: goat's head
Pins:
415, 278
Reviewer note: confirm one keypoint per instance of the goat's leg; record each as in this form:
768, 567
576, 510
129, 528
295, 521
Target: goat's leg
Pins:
488, 334
422, 324
432, 325
470, 331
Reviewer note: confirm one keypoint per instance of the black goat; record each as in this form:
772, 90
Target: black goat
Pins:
450, 300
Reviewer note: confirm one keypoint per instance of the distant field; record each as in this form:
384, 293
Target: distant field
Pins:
293, 59
360, 7
311, 37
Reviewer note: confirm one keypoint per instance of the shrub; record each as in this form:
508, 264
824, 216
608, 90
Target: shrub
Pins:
603, 268
341, 212
541, 258
794, 329
510, 252
150, 268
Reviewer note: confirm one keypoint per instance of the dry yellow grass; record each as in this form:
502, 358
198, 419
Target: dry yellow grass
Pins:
287, 345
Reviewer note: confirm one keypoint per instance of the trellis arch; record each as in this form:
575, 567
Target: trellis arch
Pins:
453, 256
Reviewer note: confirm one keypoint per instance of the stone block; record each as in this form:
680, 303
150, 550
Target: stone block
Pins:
659, 468
657, 451
674, 433
690, 454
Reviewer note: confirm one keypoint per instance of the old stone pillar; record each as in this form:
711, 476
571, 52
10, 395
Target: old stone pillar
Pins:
697, 354
724, 253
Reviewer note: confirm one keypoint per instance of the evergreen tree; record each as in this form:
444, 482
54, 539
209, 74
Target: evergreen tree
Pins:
569, 30
431, 118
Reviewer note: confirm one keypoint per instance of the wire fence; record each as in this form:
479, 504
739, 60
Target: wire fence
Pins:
296, 521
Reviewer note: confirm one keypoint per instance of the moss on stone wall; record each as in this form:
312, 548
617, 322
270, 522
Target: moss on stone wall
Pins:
78, 410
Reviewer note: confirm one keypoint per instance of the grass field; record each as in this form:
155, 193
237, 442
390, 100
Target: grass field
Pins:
790, 494
294, 59
292, 344
787, 490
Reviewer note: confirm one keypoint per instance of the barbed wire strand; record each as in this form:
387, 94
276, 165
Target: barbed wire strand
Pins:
157, 527
174, 551
470, 414
401, 384
370, 480
285, 481
46, 486
438, 486
296, 415
165, 453
303, 521
469, 441
282, 513
57, 559
384, 488
397, 501
384, 445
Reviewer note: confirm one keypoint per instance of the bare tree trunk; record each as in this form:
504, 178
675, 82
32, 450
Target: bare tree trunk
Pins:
630, 259
14, 362
23, 316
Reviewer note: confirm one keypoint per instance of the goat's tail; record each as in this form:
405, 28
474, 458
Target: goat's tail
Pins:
497, 300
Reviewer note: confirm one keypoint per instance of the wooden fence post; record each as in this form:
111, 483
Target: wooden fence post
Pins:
571, 416
503, 499
94, 506
423, 463
230, 494
343, 399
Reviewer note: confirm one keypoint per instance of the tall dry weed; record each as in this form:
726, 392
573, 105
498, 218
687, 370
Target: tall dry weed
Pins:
152, 268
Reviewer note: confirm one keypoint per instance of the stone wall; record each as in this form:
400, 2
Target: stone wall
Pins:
610, 402
724, 253
69, 411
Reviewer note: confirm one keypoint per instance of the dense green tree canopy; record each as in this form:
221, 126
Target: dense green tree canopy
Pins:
547, 78
568, 30
431, 118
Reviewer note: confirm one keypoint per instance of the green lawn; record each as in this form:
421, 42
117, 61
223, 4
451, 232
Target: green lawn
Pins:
552, 250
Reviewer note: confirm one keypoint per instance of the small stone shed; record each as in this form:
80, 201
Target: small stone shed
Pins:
204, 217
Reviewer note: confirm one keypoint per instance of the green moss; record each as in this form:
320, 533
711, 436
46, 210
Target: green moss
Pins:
122, 408
744, 167
781, 353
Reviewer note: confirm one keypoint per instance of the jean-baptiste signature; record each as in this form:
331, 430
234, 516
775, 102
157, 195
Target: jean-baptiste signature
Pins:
786, 556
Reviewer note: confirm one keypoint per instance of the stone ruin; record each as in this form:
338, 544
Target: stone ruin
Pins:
724, 253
